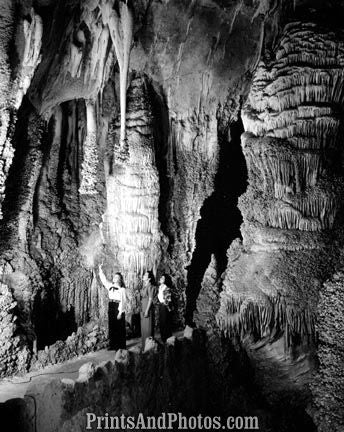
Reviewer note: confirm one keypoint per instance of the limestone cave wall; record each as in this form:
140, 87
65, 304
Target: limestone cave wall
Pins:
63, 206
201, 139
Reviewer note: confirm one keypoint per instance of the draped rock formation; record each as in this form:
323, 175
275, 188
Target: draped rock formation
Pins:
292, 145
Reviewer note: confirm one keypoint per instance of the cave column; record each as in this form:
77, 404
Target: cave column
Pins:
90, 159
132, 221
28, 42
292, 146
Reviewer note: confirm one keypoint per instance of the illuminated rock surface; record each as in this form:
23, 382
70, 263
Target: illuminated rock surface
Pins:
201, 139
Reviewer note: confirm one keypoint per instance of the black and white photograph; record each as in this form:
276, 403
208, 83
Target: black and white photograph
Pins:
172, 215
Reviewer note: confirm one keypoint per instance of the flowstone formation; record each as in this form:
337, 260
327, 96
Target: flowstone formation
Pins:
292, 206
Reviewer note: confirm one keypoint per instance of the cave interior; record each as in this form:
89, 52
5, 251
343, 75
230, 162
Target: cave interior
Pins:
198, 139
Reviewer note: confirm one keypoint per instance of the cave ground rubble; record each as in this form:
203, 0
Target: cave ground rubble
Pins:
16, 387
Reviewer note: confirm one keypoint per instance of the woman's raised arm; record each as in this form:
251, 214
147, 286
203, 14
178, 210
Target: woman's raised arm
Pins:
102, 276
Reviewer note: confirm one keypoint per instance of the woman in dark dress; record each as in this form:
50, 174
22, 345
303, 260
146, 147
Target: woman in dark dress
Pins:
116, 314
148, 295
165, 308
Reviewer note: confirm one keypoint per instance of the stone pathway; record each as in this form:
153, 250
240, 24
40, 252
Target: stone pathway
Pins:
16, 387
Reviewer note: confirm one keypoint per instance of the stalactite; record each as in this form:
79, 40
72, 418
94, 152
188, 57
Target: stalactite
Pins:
121, 31
265, 317
90, 160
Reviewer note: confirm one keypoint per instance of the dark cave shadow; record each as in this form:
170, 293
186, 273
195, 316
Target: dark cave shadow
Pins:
161, 128
66, 324
52, 323
220, 217
14, 181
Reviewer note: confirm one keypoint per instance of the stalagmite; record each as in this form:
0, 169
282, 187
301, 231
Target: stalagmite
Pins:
133, 194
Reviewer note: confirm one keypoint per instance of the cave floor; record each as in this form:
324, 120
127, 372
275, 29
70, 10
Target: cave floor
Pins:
16, 387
